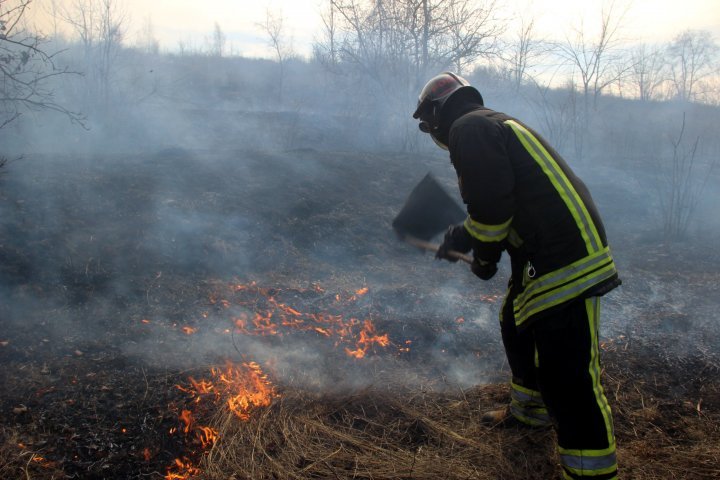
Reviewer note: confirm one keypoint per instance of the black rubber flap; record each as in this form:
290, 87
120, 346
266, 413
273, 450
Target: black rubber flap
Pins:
428, 211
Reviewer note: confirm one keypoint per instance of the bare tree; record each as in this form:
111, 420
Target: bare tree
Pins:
387, 49
100, 25
646, 71
692, 57
555, 109
680, 184
280, 44
218, 41
597, 62
524, 52
473, 32
52, 8
26, 69
594, 58
395, 45
147, 41
326, 50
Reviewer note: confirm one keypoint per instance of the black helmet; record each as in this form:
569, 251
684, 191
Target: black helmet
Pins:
432, 98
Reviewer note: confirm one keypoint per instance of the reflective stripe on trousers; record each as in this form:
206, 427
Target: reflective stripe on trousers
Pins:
527, 406
600, 464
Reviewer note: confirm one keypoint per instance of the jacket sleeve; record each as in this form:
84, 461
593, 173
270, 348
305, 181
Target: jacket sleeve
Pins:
486, 180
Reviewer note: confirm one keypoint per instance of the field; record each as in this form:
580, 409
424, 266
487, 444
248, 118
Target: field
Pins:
250, 314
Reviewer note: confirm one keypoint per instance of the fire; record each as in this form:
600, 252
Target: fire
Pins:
246, 387
270, 314
207, 436
186, 417
182, 469
188, 330
368, 338
241, 388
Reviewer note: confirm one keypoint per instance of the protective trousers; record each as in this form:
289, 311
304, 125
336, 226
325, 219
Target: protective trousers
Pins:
556, 379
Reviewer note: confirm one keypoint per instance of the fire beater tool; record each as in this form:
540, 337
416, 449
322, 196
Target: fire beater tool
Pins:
428, 211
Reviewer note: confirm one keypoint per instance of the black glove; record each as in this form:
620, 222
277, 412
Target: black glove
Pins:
458, 239
483, 269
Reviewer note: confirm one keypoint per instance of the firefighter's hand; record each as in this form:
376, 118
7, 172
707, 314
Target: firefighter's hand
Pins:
457, 239
483, 269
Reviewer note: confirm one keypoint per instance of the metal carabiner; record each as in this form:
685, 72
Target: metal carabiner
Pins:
531, 271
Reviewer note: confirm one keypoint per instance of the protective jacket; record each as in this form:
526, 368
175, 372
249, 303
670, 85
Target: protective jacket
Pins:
522, 197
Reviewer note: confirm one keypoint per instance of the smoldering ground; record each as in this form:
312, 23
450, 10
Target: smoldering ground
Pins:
121, 270
96, 246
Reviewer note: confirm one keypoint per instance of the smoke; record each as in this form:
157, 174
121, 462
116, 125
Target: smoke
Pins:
194, 176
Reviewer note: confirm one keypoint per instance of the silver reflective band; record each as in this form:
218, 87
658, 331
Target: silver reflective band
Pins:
588, 463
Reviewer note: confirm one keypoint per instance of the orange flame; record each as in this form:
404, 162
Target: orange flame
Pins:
244, 387
268, 315
186, 417
368, 338
207, 436
182, 469
247, 388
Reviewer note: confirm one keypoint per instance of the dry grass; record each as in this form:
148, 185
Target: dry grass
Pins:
373, 434
380, 434
18, 462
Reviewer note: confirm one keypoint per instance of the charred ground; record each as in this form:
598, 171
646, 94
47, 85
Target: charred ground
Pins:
104, 260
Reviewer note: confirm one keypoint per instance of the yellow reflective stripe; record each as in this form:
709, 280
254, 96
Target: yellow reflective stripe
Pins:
563, 275
563, 284
589, 463
566, 476
561, 183
528, 406
514, 239
487, 233
592, 306
561, 295
535, 417
531, 394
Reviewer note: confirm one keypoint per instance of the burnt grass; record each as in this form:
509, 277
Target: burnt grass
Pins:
104, 259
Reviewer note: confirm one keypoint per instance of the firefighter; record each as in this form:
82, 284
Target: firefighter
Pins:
522, 198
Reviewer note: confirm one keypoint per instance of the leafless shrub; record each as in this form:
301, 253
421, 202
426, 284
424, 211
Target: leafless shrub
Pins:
26, 68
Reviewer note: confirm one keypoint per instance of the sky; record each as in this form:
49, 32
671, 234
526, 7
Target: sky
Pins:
191, 22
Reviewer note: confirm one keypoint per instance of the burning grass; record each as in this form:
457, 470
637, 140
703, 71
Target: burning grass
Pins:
668, 425
666, 410
376, 433
388, 431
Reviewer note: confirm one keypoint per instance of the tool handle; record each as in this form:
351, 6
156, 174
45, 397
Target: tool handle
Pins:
433, 247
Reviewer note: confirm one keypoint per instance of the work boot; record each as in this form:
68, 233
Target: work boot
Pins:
503, 417
496, 417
